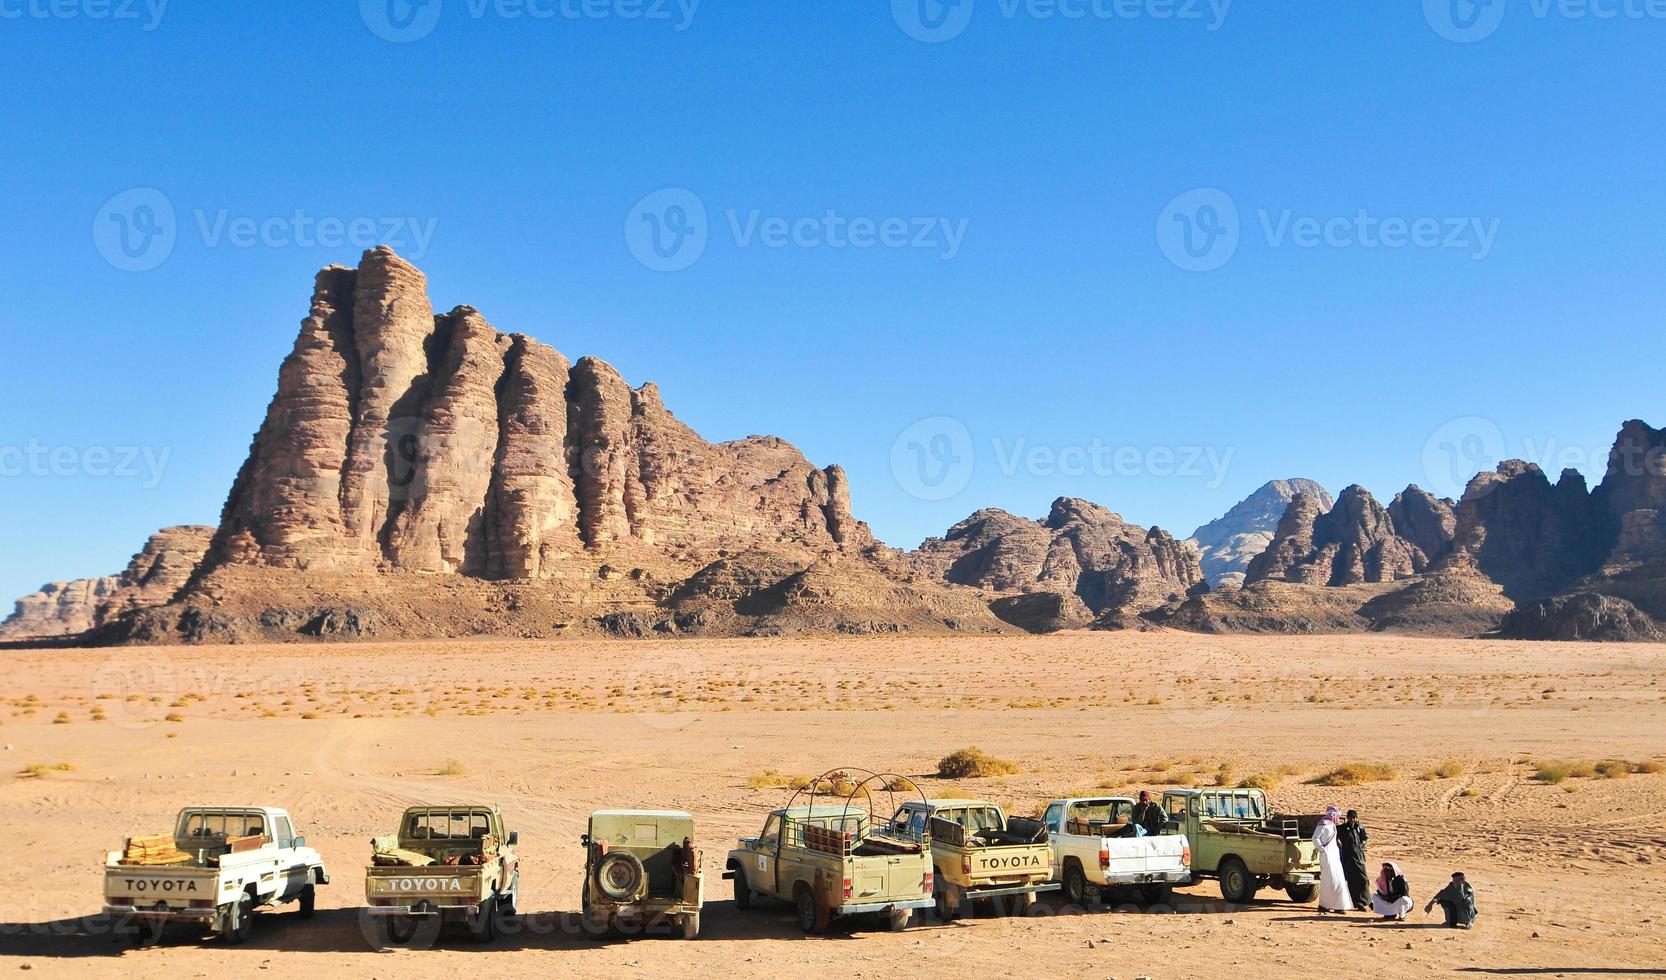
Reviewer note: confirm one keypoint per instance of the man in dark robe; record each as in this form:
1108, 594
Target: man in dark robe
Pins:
1350, 839
1148, 815
1457, 900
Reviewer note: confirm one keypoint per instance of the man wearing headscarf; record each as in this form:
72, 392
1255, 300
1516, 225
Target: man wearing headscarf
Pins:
1148, 815
1392, 899
1457, 900
1333, 885
1351, 837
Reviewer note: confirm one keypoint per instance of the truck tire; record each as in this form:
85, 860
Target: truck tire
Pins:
691, 925
397, 930
898, 919
809, 917
1075, 884
950, 901
1237, 884
620, 876
743, 890
240, 921
1302, 893
484, 927
509, 903
308, 902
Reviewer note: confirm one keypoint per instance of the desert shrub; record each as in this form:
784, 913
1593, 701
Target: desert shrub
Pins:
1264, 781
1223, 775
1551, 772
900, 784
799, 782
61, 719
1613, 769
1355, 773
971, 763
1648, 767
768, 779
174, 716
1582, 770
1450, 769
451, 768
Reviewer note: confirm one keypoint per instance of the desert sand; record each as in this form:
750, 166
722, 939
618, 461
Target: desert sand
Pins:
1568, 875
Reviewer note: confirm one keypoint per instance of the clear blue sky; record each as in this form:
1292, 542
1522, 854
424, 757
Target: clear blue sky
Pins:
1052, 146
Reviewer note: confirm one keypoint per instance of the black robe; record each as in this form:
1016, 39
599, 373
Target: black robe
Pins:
1350, 840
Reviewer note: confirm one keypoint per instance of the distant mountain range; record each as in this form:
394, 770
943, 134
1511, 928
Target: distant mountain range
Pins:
421, 475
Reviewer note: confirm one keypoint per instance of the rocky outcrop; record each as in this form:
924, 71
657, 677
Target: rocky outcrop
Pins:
152, 578
1533, 538
1355, 541
1631, 500
1228, 544
1580, 616
1103, 570
58, 609
1425, 521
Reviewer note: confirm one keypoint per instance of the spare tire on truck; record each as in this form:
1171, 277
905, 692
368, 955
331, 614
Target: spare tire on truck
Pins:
620, 876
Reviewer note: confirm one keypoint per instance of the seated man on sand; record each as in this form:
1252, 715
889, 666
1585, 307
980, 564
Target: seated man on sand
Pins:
1457, 899
1392, 898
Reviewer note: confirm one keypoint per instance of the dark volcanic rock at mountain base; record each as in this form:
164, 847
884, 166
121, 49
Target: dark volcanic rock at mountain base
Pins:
1581, 616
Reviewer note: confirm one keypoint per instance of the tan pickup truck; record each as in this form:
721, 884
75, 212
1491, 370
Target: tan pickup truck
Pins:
979, 853
447, 864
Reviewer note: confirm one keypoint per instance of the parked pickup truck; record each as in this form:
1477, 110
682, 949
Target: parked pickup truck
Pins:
447, 864
979, 853
1096, 848
834, 859
218, 866
641, 866
1237, 839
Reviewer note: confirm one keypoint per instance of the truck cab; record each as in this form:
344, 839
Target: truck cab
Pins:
979, 853
1238, 839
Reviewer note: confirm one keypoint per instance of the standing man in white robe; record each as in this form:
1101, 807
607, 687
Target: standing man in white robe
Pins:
1333, 884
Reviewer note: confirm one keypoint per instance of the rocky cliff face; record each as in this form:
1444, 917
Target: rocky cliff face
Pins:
1531, 537
1095, 567
152, 578
400, 440
1229, 543
1356, 541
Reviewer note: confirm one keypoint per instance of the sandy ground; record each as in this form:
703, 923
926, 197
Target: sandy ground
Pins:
1570, 876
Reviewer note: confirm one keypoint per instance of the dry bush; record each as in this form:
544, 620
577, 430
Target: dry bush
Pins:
1450, 769
1613, 769
900, 784
451, 768
61, 719
768, 779
1355, 773
173, 716
1551, 772
972, 763
1649, 767
1264, 781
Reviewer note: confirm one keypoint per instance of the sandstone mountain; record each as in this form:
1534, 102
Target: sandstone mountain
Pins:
1083, 565
1227, 544
422, 474
1354, 541
152, 578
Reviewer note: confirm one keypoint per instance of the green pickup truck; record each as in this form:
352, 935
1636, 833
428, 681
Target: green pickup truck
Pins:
1237, 839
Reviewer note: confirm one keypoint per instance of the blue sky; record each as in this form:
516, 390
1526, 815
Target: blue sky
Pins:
1446, 250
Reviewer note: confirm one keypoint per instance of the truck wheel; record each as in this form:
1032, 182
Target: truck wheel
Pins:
308, 902
809, 917
898, 919
240, 922
1237, 884
950, 903
620, 876
399, 929
1075, 885
743, 891
691, 925
1301, 893
484, 927
509, 903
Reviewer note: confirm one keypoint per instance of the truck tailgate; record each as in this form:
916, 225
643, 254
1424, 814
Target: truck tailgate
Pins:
888, 877
175, 887
1139, 855
1009, 863
437, 885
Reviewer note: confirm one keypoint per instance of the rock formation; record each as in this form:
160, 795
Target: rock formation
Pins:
1531, 537
1088, 565
1227, 544
1580, 616
152, 578
1355, 541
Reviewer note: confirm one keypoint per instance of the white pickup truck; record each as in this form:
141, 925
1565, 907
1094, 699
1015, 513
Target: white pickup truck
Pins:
1096, 849
220, 864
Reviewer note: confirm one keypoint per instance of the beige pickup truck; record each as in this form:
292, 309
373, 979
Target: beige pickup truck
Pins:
833, 859
979, 853
447, 864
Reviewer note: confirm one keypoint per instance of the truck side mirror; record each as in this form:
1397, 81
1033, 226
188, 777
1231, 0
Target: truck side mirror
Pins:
514, 838
584, 839
298, 842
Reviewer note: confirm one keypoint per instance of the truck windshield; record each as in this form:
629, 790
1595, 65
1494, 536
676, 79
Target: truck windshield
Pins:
1233, 806
210, 824
447, 825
